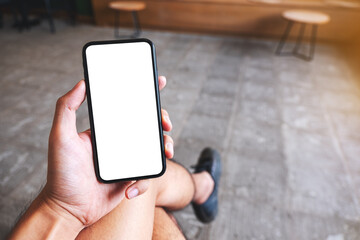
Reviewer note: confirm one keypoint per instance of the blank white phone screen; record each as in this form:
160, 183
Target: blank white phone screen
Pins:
122, 89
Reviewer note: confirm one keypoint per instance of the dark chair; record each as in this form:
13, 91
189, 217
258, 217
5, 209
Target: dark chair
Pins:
42, 8
68, 5
8, 4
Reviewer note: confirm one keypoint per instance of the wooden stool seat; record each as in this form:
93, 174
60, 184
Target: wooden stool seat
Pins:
130, 6
306, 16
127, 6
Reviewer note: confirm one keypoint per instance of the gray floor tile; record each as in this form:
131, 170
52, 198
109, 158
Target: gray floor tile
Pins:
287, 129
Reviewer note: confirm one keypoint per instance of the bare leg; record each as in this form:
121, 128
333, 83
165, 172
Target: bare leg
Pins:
131, 219
134, 219
175, 188
165, 226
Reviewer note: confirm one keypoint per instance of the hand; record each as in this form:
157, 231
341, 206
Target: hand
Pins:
71, 182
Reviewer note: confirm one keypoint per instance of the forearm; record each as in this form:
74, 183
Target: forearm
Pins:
45, 220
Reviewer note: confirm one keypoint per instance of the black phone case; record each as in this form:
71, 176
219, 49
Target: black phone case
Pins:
92, 127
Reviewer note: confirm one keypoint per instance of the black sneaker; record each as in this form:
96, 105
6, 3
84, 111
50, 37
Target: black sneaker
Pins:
209, 161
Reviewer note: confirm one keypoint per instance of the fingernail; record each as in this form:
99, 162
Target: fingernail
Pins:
170, 148
133, 193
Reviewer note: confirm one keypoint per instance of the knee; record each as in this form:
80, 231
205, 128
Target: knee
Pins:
178, 186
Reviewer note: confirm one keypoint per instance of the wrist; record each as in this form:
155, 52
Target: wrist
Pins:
46, 220
62, 217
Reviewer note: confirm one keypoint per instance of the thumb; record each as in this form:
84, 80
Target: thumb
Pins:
66, 106
137, 188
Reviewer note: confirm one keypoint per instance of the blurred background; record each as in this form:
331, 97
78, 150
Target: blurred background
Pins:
287, 127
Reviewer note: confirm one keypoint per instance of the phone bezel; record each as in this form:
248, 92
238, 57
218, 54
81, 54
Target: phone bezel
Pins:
91, 119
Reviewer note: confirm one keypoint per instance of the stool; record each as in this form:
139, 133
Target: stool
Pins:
303, 17
132, 7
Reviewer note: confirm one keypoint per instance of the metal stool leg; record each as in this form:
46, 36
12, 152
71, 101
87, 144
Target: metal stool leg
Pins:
299, 39
284, 37
313, 42
310, 56
136, 24
137, 29
50, 16
116, 24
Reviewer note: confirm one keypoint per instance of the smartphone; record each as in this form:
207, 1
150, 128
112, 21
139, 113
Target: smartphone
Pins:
124, 109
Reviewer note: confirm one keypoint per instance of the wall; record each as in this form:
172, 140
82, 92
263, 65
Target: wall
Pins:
233, 17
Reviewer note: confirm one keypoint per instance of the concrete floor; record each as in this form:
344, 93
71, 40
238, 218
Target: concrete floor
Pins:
288, 130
